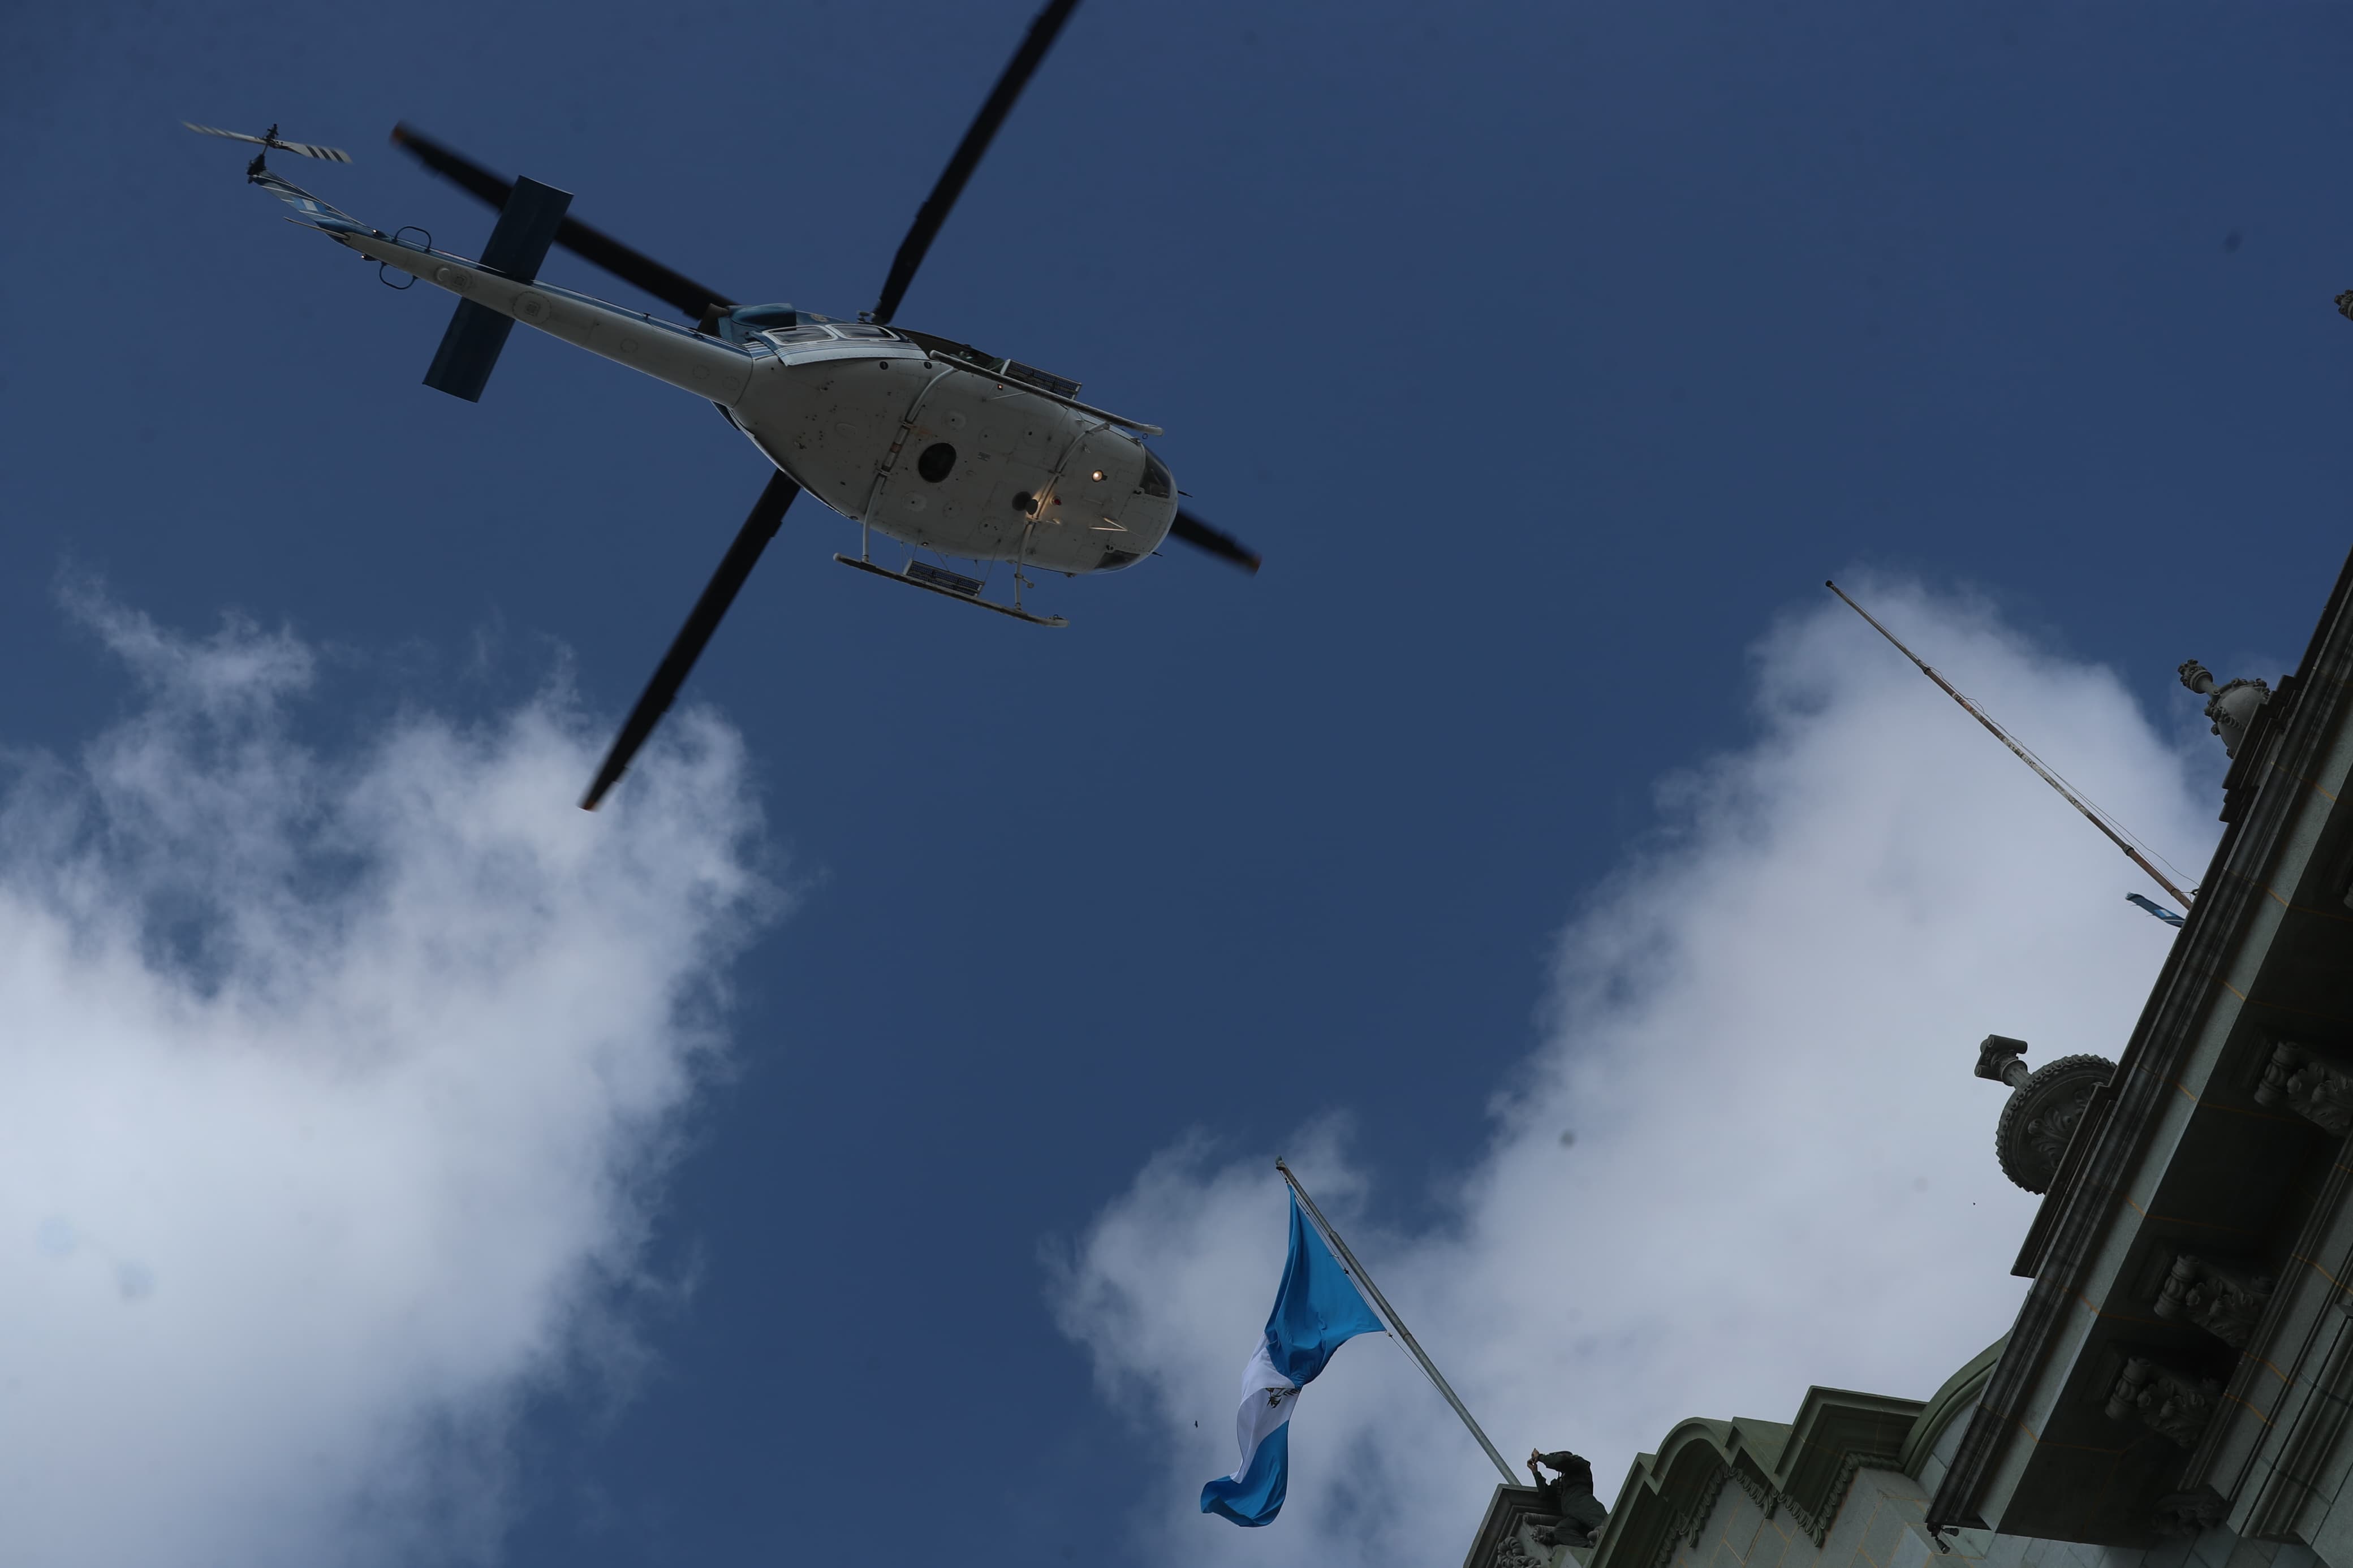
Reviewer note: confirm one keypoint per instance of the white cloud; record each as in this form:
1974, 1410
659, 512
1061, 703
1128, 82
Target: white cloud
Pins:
333, 1094
1782, 1173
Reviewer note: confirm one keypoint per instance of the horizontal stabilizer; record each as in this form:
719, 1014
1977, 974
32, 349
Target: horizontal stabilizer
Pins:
470, 347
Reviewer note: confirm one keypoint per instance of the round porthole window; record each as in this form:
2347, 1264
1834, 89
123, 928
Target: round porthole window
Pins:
935, 461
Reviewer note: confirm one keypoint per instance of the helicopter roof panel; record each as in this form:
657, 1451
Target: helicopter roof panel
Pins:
840, 340
805, 353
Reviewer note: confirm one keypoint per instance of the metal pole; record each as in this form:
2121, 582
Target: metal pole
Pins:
1397, 1329
2023, 755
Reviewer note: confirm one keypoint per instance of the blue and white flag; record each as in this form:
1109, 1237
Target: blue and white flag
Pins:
1316, 1310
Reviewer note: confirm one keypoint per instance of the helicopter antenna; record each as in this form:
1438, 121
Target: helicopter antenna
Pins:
2096, 818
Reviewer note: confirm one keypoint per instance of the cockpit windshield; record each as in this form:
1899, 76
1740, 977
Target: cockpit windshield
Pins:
1156, 479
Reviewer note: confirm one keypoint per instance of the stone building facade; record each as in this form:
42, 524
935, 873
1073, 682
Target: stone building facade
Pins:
2176, 1389
1847, 1484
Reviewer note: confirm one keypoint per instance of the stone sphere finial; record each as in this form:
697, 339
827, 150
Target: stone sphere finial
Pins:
2232, 705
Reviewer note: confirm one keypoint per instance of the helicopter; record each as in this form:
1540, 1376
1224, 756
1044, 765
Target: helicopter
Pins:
926, 440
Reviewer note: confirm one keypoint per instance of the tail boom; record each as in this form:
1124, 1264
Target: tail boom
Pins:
677, 354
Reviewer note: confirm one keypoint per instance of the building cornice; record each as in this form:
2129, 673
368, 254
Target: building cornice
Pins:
1803, 1468
2081, 1250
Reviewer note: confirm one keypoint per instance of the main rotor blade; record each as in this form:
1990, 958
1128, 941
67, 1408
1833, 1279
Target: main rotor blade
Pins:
942, 199
736, 565
1223, 545
591, 245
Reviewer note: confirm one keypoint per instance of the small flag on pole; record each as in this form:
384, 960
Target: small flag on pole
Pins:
1317, 1309
2153, 906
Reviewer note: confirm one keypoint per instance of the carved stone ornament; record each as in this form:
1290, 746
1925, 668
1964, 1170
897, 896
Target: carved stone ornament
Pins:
2189, 1513
2002, 1060
1516, 1550
2314, 1086
2231, 706
2345, 304
2223, 1300
2173, 1404
2045, 1105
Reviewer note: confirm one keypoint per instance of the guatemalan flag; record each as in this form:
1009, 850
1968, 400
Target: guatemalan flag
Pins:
1316, 1310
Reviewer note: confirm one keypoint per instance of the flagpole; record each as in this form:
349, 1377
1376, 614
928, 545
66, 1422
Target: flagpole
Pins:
1402, 1334
2029, 758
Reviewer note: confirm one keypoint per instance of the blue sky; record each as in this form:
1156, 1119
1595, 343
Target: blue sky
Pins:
1550, 355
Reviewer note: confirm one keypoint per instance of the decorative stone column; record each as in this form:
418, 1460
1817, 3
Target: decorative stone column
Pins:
2315, 1087
2223, 1300
2231, 706
2174, 1404
2045, 1105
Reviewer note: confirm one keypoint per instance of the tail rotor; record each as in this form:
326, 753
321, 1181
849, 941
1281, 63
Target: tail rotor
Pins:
270, 139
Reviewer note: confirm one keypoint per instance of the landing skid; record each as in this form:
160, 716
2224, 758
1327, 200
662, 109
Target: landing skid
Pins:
960, 595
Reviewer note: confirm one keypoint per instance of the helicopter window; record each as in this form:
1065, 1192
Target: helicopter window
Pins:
848, 331
1156, 481
936, 460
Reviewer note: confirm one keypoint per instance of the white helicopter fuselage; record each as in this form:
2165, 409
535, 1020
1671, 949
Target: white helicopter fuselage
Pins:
917, 443
938, 455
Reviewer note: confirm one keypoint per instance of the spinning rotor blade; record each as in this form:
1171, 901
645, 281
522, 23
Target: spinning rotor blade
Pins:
736, 565
332, 155
937, 205
591, 245
1223, 545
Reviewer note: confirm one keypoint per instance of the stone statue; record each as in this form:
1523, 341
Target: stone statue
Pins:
1570, 1495
2231, 706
